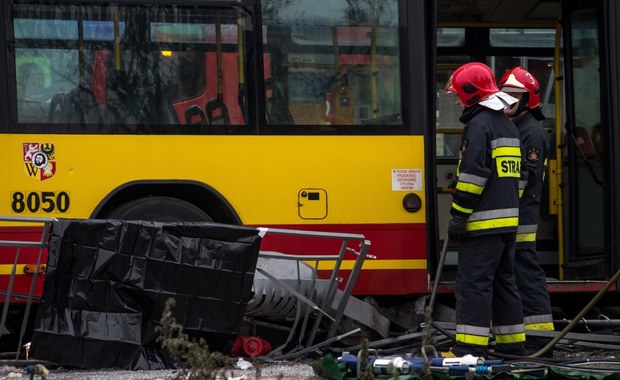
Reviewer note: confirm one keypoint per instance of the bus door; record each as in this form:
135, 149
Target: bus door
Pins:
589, 192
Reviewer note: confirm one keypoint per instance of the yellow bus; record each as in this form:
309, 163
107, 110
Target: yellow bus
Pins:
284, 114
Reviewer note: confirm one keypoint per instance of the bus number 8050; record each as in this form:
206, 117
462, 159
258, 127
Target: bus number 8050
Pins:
45, 201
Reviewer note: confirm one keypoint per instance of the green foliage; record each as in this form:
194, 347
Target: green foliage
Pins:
327, 368
193, 357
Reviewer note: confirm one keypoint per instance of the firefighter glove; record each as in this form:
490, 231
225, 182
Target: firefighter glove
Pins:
456, 228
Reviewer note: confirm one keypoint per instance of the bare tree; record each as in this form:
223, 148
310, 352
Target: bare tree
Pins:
270, 8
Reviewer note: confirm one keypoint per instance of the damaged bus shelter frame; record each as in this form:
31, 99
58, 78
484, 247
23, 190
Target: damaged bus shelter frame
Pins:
328, 297
323, 298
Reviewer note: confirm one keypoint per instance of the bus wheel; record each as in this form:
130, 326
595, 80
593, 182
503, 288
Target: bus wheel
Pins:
160, 209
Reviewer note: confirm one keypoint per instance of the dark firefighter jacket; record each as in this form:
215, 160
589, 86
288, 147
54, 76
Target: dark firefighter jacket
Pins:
535, 151
489, 173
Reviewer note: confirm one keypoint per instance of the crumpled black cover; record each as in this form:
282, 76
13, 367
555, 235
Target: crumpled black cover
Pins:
107, 282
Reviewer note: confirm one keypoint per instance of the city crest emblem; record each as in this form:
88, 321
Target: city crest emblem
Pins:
39, 160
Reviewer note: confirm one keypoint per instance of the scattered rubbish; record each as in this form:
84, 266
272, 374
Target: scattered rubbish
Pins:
412, 367
406, 366
242, 377
37, 369
26, 348
244, 364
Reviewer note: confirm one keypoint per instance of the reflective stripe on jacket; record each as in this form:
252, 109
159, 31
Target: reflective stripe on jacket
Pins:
490, 173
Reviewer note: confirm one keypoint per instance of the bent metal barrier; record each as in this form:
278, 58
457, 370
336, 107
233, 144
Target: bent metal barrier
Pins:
304, 293
303, 296
28, 256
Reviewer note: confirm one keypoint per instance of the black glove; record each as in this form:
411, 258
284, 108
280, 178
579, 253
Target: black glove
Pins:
456, 228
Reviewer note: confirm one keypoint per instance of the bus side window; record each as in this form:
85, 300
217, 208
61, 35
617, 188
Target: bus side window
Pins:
79, 104
88, 101
33, 84
31, 75
277, 104
202, 72
332, 68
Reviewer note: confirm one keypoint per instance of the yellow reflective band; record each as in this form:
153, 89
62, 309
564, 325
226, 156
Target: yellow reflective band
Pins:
372, 264
492, 223
510, 338
521, 192
547, 326
513, 151
508, 167
469, 188
522, 238
5, 269
473, 339
462, 209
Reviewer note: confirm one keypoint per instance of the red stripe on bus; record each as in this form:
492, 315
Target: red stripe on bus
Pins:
388, 242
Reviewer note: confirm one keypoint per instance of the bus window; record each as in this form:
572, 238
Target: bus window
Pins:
184, 70
448, 126
333, 63
530, 38
450, 37
164, 65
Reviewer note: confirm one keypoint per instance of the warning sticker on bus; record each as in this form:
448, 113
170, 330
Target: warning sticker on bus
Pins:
406, 179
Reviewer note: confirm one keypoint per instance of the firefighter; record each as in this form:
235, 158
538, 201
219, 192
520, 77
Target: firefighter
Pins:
530, 277
485, 212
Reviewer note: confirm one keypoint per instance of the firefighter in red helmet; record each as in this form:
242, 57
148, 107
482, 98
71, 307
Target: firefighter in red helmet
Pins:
484, 217
526, 114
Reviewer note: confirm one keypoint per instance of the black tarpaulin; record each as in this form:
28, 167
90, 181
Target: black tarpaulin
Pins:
107, 282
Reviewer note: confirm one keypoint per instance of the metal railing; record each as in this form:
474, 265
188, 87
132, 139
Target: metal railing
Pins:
9, 294
314, 295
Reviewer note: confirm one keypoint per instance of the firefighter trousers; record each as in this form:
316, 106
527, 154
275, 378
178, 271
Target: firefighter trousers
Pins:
532, 286
486, 292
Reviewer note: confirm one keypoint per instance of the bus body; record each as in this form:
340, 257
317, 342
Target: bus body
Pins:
327, 116
205, 112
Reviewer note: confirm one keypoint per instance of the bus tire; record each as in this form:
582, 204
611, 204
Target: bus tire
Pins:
160, 209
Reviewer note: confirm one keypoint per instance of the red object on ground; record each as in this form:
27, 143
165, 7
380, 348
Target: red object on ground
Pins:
250, 346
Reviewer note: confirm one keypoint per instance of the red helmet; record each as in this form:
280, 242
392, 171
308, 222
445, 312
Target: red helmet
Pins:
472, 82
520, 79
